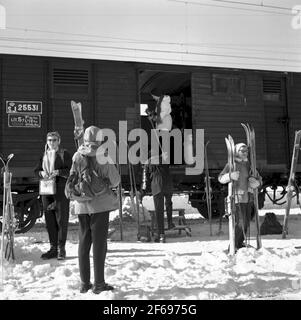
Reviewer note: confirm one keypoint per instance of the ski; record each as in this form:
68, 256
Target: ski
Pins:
8, 216
208, 187
230, 198
291, 182
119, 191
250, 134
137, 203
76, 108
133, 193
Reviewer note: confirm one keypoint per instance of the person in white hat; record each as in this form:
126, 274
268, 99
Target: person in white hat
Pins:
244, 185
93, 215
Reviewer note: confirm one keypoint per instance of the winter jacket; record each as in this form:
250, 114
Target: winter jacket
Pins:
62, 163
106, 201
243, 191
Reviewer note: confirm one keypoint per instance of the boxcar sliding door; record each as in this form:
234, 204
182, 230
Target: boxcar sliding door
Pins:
276, 121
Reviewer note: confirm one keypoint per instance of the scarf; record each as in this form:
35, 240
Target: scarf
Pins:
240, 160
48, 160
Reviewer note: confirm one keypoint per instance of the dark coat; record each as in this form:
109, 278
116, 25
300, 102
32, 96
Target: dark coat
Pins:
161, 179
62, 163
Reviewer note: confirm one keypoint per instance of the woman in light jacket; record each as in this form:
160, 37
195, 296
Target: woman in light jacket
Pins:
93, 215
55, 162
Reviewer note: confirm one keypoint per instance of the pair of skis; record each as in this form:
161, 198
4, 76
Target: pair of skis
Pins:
135, 193
8, 216
231, 195
208, 187
79, 129
291, 186
250, 133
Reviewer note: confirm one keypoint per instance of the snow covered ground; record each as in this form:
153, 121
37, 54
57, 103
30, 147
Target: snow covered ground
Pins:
196, 267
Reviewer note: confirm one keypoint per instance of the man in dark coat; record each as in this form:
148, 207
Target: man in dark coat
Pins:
161, 186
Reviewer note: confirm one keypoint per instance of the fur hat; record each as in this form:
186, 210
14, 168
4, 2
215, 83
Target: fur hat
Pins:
238, 146
93, 135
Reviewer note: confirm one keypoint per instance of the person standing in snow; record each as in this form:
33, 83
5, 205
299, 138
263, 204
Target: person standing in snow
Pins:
55, 163
161, 186
244, 184
93, 215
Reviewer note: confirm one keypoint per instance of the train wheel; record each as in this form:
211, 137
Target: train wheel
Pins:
276, 196
26, 214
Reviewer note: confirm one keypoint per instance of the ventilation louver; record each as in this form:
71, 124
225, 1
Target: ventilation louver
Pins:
272, 89
67, 81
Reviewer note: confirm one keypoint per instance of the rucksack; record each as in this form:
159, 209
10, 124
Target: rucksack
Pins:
270, 224
85, 184
145, 233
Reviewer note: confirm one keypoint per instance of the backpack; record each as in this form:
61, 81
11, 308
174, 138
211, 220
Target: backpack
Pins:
270, 224
84, 184
144, 234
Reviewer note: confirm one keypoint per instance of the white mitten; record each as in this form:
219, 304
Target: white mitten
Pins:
234, 175
253, 183
44, 174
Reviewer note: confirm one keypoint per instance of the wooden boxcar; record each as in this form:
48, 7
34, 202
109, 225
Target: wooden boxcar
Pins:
210, 98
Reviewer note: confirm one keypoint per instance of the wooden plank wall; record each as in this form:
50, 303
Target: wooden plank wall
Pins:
22, 78
115, 94
294, 106
114, 97
220, 116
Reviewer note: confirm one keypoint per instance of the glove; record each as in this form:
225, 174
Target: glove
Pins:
54, 174
253, 183
44, 174
234, 175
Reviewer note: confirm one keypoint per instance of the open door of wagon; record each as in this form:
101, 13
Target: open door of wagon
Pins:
177, 86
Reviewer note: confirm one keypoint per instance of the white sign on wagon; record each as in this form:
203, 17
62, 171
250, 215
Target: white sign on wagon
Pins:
24, 121
24, 107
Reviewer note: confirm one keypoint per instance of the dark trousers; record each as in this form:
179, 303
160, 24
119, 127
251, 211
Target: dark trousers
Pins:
56, 219
159, 209
168, 205
242, 222
93, 229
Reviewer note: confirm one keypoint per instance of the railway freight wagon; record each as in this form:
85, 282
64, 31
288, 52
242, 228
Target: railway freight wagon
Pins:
36, 92
218, 100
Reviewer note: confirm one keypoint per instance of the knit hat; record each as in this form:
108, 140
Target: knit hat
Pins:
93, 135
238, 146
